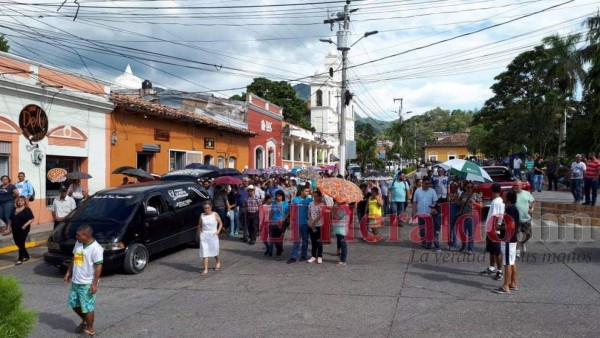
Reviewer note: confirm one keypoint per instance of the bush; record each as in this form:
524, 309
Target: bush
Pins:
15, 321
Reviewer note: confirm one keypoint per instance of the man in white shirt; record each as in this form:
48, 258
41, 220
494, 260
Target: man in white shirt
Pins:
440, 184
494, 217
424, 199
577, 171
62, 206
517, 166
84, 274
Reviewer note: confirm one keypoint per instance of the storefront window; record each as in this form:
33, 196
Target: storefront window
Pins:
176, 160
70, 164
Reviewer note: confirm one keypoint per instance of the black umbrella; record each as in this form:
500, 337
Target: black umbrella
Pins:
189, 175
229, 172
120, 170
138, 173
201, 166
251, 172
76, 175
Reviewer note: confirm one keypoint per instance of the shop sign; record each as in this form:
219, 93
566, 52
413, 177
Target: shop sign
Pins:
33, 121
266, 125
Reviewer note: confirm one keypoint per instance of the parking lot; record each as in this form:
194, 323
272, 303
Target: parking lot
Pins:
387, 289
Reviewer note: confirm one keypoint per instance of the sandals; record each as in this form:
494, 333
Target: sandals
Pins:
81, 327
218, 268
89, 333
204, 273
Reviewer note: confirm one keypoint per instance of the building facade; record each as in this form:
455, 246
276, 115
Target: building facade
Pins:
159, 138
68, 114
325, 106
447, 147
266, 120
302, 148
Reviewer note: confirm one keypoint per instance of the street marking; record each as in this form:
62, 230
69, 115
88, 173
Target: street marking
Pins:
32, 244
12, 266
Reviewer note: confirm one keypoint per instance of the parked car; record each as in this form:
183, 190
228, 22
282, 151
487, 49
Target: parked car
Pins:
131, 223
502, 176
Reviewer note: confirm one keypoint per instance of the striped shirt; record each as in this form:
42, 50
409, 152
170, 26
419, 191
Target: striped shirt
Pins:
252, 204
591, 169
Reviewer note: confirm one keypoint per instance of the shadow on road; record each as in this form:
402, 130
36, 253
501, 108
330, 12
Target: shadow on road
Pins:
56, 321
194, 268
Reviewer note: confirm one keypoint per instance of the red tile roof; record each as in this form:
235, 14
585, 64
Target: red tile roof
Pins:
449, 140
138, 105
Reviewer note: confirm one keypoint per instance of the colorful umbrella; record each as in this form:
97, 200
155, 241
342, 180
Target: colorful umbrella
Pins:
466, 170
308, 174
340, 190
276, 170
227, 180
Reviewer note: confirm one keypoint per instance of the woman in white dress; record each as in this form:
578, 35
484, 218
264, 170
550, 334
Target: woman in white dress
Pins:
209, 227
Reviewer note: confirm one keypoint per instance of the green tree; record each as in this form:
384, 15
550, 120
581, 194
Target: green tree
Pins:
366, 145
15, 321
584, 134
4, 47
282, 94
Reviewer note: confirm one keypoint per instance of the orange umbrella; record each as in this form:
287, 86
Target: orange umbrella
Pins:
340, 190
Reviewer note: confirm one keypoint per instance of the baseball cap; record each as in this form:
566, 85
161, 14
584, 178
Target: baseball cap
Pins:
578, 155
250, 187
63, 188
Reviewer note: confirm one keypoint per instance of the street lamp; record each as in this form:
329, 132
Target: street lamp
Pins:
343, 46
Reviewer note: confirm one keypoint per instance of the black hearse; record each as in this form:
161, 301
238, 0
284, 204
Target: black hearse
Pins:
132, 222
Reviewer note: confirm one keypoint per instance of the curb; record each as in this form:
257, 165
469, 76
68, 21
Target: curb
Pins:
31, 244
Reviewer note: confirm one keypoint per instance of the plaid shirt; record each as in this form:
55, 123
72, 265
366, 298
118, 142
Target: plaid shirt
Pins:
252, 204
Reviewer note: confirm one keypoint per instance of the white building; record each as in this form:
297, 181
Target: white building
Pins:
325, 102
71, 134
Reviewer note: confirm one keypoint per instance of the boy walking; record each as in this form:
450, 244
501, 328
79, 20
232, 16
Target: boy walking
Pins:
508, 235
84, 274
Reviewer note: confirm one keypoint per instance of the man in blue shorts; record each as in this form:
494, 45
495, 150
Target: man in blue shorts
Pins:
84, 274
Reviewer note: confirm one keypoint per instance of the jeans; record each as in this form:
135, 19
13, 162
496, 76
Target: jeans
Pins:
252, 224
537, 182
576, 189
552, 181
241, 221
304, 238
427, 238
590, 185
517, 173
222, 212
529, 176
5, 210
468, 229
386, 207
20, 237
397, 207
341, 244
233, 224
275, 239
316, 246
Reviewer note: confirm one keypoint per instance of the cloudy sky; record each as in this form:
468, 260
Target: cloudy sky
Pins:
442, 53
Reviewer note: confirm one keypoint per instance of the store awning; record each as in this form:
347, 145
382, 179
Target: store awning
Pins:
147, 148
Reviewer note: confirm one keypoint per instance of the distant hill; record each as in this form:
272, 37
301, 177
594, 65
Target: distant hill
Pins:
378, 125
302, 91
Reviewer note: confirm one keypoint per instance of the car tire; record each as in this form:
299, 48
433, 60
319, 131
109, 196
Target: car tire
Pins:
136, 259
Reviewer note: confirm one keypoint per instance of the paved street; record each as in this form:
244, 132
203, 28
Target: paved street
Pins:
387, 289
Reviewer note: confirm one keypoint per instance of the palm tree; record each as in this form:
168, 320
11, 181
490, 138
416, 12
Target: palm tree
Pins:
563, 70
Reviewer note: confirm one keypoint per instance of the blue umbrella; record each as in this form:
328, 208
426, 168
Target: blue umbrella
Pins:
229, 172
201, 166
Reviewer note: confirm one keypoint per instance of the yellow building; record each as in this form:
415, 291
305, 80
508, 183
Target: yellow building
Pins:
447, 147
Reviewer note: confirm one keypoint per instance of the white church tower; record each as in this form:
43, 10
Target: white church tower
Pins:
325, 105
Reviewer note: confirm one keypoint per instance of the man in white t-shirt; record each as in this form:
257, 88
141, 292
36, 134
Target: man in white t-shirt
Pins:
84, 274
577, 171
494, 217
517, 166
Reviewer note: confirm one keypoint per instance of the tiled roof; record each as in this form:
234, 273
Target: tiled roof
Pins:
138, 105
449, 140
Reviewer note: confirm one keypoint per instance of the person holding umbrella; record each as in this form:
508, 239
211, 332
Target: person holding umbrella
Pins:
75, 190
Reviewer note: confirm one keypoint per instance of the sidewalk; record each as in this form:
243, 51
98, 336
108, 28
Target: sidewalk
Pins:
37, 236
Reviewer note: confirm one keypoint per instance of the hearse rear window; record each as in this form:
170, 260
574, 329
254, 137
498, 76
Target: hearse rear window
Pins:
182, 197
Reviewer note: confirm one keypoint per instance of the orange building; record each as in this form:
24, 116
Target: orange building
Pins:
160, 139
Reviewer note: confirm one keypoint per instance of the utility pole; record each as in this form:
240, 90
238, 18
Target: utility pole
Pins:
400, 127
343, 45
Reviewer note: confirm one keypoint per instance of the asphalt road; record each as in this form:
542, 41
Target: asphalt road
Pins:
387, 290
